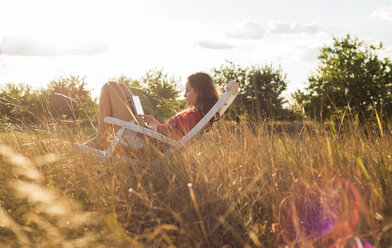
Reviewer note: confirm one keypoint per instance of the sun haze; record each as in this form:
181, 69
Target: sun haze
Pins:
41, 40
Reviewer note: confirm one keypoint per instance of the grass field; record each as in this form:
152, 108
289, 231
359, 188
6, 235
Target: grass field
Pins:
237, 186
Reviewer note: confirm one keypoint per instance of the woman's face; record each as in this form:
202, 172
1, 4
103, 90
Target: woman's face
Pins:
190, 95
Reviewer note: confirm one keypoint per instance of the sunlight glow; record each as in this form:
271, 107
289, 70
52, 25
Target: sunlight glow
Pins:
41, 40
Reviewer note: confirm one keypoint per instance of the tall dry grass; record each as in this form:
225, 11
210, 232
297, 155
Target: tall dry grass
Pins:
229, 189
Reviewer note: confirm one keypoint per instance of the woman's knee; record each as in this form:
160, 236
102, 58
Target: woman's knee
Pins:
111, 85
115, 89
111, 88
125, 89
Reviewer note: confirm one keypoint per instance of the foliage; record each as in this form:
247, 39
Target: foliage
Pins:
68, 98
19, 103
265, 87
63, 98
260, 90
351, 79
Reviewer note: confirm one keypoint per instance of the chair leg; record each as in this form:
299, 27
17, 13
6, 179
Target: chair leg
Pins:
114, 143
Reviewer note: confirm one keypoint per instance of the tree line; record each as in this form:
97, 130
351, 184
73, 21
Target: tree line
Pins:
63, 98
351, 80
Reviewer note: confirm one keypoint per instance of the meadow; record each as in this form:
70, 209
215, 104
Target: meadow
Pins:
242, 185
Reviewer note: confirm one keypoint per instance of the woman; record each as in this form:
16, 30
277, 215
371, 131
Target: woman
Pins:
200, 95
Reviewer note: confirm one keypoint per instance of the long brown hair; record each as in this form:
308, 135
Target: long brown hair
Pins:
207, 94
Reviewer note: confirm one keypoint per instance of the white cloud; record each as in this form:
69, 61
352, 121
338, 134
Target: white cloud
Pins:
293, 28
255, 31
246, 30
26, 46
384, 13
214, 45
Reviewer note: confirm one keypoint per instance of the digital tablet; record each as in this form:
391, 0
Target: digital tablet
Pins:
138, 105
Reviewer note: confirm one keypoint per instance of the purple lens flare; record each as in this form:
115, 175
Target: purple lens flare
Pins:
324, 212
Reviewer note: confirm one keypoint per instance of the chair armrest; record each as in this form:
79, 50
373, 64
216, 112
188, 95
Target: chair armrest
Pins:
140, 129
232, 86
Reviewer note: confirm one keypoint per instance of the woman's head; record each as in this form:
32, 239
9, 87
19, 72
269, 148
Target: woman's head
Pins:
200, 92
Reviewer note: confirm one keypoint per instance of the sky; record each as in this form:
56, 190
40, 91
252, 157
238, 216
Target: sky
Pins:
42, 40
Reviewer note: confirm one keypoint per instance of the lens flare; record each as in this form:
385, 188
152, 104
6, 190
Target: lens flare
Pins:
323, 213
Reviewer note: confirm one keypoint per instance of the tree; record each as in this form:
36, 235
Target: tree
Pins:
351, 78
266, 84
19, 103
260, 90
68, 98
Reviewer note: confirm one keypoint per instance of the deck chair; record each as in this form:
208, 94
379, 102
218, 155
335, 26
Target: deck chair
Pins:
218, 109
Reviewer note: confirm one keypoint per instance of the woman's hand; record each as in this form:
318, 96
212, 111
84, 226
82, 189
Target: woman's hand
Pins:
140, 121
150, 120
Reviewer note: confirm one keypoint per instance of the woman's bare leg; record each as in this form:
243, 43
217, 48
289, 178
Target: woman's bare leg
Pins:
112, 103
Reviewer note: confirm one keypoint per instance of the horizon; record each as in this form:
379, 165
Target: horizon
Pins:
44, 40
